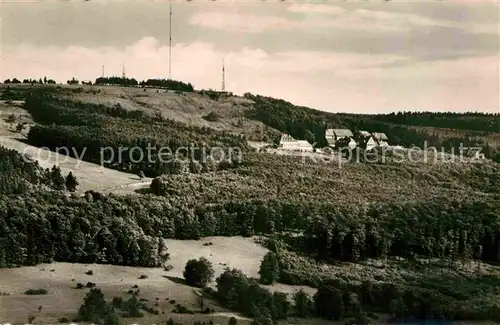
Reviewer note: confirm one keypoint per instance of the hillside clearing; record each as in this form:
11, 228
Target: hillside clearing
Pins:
90, 176
186, 107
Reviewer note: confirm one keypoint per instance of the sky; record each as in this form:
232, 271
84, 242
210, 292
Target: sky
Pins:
360, 57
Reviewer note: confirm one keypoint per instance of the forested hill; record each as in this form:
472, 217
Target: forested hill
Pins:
463, 121
262, 118
441, 130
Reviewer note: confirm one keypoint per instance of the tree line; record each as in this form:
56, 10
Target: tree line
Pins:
31, 81
464, 121
160, 83
125, 230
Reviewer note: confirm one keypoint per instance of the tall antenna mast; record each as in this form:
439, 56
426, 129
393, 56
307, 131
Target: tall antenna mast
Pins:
170, 45
1, 47
223, 76
103, 71
123, 71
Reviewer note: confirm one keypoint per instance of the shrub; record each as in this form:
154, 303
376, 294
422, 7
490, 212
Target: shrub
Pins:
32, 292
90, 285
63, 320
232, 321
303, 304
89, 272
143, 276
269, 269
117, 302
71, 182
79, 285
95, 309
132, 307
280, 305
212, 117
263, 318
180, 309
198, 272
328, 302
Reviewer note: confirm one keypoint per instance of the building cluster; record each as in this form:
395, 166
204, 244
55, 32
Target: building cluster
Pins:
336, 136
287, 142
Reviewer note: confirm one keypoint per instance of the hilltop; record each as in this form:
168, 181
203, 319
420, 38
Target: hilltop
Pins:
261, 118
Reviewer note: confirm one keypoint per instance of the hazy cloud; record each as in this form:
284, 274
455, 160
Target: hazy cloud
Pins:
325, 80
369, 57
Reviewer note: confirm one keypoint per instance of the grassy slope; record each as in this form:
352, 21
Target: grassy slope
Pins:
64, 300
189, 108
90, 176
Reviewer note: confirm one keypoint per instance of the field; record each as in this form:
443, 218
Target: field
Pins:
63, 299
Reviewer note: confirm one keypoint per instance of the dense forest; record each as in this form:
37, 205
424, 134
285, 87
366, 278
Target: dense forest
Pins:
78, 125
444, 223
299, 122
48, 225
318, 214
465, 121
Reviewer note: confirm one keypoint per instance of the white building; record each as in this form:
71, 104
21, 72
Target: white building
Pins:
287, 142
368, 139
334, 135
381, 139
352, 144
371, 143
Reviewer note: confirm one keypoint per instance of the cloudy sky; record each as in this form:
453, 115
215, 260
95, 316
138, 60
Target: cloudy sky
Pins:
335, 56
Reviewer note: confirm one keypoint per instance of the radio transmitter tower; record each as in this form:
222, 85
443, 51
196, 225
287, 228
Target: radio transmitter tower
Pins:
170, 45
223, 76
123, 71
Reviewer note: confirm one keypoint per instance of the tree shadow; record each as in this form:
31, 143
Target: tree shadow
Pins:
175, 279
145, 190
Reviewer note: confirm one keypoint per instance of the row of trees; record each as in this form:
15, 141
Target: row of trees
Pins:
30, 81
46, 226
464, 121
19, 174
159, 83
